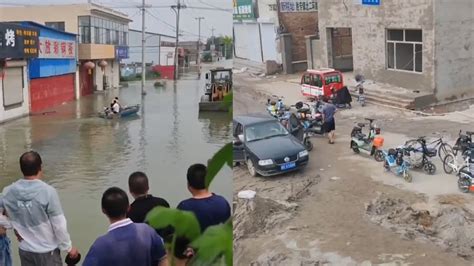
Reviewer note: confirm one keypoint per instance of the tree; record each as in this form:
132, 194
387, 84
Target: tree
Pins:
227, 42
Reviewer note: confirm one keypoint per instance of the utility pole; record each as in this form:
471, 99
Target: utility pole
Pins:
143, 48
213, 44
199, 47
176, 9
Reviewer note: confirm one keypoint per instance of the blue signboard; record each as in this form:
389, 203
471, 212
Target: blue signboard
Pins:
371, 2
121, 52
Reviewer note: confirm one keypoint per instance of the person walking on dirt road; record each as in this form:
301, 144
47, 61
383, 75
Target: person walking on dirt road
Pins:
329, 110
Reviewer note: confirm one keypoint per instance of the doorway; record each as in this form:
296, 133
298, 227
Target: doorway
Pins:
340, 49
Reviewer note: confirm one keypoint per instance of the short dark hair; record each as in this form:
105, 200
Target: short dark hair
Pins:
138, 183
30, 163
115, 203
197, 176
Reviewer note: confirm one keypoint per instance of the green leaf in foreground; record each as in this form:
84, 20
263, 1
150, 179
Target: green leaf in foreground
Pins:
214, 242
223, 156
184, 222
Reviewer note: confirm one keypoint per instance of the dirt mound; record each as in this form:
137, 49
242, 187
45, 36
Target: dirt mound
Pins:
256, 216
452, 227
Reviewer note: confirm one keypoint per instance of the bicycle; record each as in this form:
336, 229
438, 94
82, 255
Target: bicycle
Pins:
451, 163
442, 147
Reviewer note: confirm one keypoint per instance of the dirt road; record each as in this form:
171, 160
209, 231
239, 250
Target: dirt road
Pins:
343, 209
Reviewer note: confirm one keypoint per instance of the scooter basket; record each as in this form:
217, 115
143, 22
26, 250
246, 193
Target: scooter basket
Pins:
378, 142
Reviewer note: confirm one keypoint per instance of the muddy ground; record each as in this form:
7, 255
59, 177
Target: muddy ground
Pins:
343, 209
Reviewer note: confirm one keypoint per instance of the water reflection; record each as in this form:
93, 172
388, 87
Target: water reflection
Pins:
215, 126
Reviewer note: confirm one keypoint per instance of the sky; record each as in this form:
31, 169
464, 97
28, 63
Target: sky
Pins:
161, 19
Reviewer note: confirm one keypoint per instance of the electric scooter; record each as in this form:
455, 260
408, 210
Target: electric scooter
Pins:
394, 159
371, 143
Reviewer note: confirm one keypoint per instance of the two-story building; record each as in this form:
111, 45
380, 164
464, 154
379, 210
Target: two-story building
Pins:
102, 37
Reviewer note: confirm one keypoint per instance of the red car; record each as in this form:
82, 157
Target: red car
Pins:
320, 82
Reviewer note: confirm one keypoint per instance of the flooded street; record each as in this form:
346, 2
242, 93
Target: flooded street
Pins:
84, 154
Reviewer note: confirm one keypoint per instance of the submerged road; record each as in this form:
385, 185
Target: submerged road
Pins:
83, 154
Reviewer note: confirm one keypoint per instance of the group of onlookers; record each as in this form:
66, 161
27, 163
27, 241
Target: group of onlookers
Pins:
33, 210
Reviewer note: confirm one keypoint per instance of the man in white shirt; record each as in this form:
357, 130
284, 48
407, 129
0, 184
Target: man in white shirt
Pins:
116, 106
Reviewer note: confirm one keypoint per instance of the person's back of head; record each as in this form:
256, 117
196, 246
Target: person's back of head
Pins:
30, 163
196, 176
138, 184
115, 203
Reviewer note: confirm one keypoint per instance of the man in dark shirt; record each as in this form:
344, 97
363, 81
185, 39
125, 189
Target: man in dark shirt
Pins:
209, 208
329, 110
144, 202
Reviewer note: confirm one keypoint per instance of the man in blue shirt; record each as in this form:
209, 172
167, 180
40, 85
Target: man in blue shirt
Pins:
126, 243
329, 110
209, 208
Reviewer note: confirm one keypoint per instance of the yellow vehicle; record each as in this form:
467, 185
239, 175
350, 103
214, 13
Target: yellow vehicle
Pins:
218, 85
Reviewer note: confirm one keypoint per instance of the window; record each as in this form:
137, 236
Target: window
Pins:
405, 50
107, 36
85, 34
125, 39
102, 31
332, 79
317, 81
13, 86
307, 79
97, 35
56, 25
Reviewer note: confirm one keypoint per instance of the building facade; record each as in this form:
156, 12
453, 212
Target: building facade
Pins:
52, 75
157, 54
102, 33
423, 45
17, 45
255, 28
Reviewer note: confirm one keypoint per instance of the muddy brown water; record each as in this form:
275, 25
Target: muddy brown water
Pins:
84, 155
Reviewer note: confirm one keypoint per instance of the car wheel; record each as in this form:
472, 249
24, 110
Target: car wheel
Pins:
251, 168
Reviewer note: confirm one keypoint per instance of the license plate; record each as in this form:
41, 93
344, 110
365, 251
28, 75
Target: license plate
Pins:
288, 166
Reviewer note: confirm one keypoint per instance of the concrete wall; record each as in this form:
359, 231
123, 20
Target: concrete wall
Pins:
369, 24
96, 51
24, 108
267, 11
454, 48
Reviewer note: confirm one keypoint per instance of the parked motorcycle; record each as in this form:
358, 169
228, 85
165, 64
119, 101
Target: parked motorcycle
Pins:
394, 159
466, 174
275, 105
311, 117
296, 128
371, 143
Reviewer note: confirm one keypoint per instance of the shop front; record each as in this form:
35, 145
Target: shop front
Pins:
53, 73
17, 45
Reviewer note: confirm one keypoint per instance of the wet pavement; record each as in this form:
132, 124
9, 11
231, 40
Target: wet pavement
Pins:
83, 154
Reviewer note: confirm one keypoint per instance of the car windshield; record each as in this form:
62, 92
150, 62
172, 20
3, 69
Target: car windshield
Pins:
264, 131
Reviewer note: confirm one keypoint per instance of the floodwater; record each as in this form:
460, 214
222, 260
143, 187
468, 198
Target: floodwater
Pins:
83, 154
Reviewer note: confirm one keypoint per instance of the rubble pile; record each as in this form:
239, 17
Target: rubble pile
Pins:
452, 227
